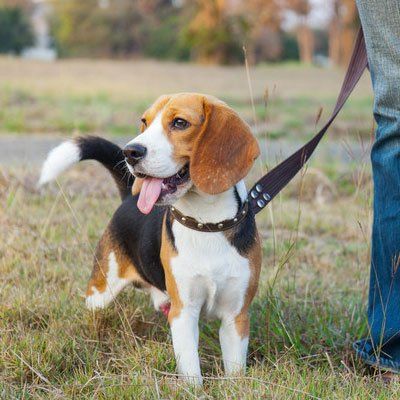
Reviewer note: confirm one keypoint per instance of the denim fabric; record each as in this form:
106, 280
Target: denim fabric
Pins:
381, 24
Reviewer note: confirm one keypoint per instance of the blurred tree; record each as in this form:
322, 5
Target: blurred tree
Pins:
342, 30
134, 25
80, 28
290, 47
117, 28
24, 5
163, 29
214, 34
305, 36
334, 33
265, 35
212, 31
15, 29
166, 41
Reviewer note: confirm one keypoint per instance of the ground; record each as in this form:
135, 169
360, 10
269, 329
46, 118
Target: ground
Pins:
313, 289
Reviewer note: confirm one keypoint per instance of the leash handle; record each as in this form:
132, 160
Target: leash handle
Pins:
266, 188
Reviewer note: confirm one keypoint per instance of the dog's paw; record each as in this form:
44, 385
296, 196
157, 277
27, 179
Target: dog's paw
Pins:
165, 308
97, 300
160, 300
195, 381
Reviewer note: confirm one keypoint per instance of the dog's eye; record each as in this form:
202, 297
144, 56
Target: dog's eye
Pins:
144, 122
180, 124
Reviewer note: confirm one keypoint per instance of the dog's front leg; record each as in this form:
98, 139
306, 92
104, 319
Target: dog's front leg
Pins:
234, 340
184, 324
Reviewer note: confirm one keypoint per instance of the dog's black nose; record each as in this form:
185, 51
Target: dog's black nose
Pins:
134, 152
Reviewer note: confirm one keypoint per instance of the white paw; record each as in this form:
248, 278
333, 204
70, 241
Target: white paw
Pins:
159, 298
98, 300
195, 380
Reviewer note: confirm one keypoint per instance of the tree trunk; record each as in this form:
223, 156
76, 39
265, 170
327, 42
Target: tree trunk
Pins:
305, 40
342, 31
334, 35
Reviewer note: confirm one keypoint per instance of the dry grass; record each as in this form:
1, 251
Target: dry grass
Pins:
148, 79
311, 302
309, 308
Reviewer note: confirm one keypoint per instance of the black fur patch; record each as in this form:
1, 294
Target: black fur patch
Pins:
243, 236
111, 156
168, 226
139, 237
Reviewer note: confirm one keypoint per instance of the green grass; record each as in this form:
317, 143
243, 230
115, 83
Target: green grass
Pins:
99, 113
309, 308
109, 97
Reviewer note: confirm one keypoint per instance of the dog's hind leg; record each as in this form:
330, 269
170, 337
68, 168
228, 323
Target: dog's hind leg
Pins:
112, 271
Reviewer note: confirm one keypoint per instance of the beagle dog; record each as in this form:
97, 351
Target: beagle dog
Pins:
191, 156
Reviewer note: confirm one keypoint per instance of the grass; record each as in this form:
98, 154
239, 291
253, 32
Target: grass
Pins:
313, 289
109, 97
309, 308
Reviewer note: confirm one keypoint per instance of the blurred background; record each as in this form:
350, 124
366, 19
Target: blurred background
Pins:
93, 66
207, 31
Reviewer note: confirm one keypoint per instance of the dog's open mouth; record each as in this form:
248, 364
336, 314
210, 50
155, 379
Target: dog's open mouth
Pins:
154, 189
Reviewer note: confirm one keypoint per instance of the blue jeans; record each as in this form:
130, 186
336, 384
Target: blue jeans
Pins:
381, 23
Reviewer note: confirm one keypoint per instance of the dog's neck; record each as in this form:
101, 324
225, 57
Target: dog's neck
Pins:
207, 208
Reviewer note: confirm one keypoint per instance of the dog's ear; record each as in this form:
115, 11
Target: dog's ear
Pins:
224, 151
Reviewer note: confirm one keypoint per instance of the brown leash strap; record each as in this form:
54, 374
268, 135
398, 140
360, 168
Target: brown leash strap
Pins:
274, 181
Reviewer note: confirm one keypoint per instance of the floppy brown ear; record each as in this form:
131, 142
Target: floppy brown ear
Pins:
223, 152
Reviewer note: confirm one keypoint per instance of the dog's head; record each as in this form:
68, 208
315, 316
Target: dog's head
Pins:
189, 141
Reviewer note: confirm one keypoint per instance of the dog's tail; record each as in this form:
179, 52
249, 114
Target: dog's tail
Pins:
88, 148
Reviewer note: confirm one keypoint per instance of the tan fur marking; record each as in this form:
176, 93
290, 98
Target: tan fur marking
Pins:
168, 252
154, 109
242, 319
190, 107
126, 269
242, 324
137, 186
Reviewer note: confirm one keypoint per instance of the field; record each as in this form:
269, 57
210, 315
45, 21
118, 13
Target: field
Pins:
312, 298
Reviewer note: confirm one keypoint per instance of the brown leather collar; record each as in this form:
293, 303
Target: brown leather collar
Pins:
192, 223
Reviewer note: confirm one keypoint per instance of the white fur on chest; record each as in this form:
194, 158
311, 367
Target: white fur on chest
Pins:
210, 273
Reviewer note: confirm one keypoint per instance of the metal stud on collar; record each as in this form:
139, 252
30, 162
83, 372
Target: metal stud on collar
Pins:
192, 223
261, 203
267, 196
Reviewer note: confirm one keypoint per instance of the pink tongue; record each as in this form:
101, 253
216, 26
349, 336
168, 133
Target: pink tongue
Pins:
149, 194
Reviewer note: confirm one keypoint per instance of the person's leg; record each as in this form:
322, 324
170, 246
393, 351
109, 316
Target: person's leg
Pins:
381, 24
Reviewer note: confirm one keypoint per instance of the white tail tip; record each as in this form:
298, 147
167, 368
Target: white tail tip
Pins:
58, 160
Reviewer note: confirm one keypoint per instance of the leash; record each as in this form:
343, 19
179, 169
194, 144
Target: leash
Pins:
266, 188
